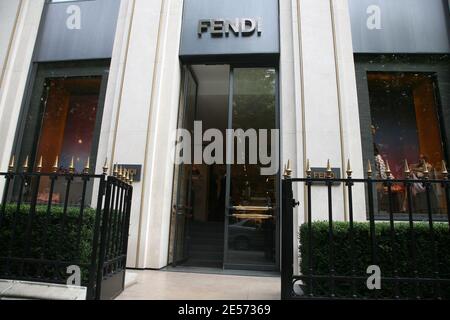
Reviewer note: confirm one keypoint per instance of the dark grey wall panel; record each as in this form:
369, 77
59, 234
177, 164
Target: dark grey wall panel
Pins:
94, 39
407, 26
267, 42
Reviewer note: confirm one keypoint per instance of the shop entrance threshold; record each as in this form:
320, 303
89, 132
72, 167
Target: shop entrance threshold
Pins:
219, 271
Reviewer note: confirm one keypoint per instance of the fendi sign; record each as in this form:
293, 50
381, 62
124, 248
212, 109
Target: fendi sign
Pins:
322, 173
218, 31
224, 27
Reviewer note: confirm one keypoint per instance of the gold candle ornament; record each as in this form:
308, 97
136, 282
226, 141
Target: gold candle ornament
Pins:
56, 165
40, 164
11, 164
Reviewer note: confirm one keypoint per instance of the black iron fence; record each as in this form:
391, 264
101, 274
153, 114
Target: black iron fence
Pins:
401, 250
65, 227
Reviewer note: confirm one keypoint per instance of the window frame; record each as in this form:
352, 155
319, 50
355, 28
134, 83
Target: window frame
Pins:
35, 89
436, 64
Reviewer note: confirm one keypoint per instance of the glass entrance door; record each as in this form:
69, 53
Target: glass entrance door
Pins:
252, 197
225, 213
182, 208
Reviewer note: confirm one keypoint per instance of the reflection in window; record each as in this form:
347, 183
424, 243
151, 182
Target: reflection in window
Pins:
65, 122
406, 126
69, 121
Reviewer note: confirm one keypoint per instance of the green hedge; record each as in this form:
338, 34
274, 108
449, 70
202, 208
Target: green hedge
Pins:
361, 250
55, 248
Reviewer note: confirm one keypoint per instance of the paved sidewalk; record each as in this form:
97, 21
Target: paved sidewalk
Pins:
164, 285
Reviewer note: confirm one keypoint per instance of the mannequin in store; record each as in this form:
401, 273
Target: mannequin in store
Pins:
419, 167
380, 163
419, 192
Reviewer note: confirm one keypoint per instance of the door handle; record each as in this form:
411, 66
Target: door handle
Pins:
250, 208
253, 216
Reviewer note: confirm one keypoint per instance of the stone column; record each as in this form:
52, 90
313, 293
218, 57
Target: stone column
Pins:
19, 22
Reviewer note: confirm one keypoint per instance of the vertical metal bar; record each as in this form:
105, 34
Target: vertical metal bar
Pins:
126, 229
8, 178
81, 216
113, 208
331, 239
53, 179
352, 235
95, 256
436, 285
112, 227
62, 225
392, 236
121, 228
287, 259
14, 224
117, 218
120, 224
31, 215
373, 239
115, 222
310, 240
408, 185
103, 238
446, 186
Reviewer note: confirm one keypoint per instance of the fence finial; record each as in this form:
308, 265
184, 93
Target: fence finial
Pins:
72, 166
388, 170
87, 166
444, 169
407, 170
131, 178
11, 164
329, 170
288, 170
349, 169
25, 165
308, 169
105, 167
56, 165
120, 172
116, 170
40, 164
128, 177
369, 169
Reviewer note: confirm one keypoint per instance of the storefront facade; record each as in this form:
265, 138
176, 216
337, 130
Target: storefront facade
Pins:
144, 68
